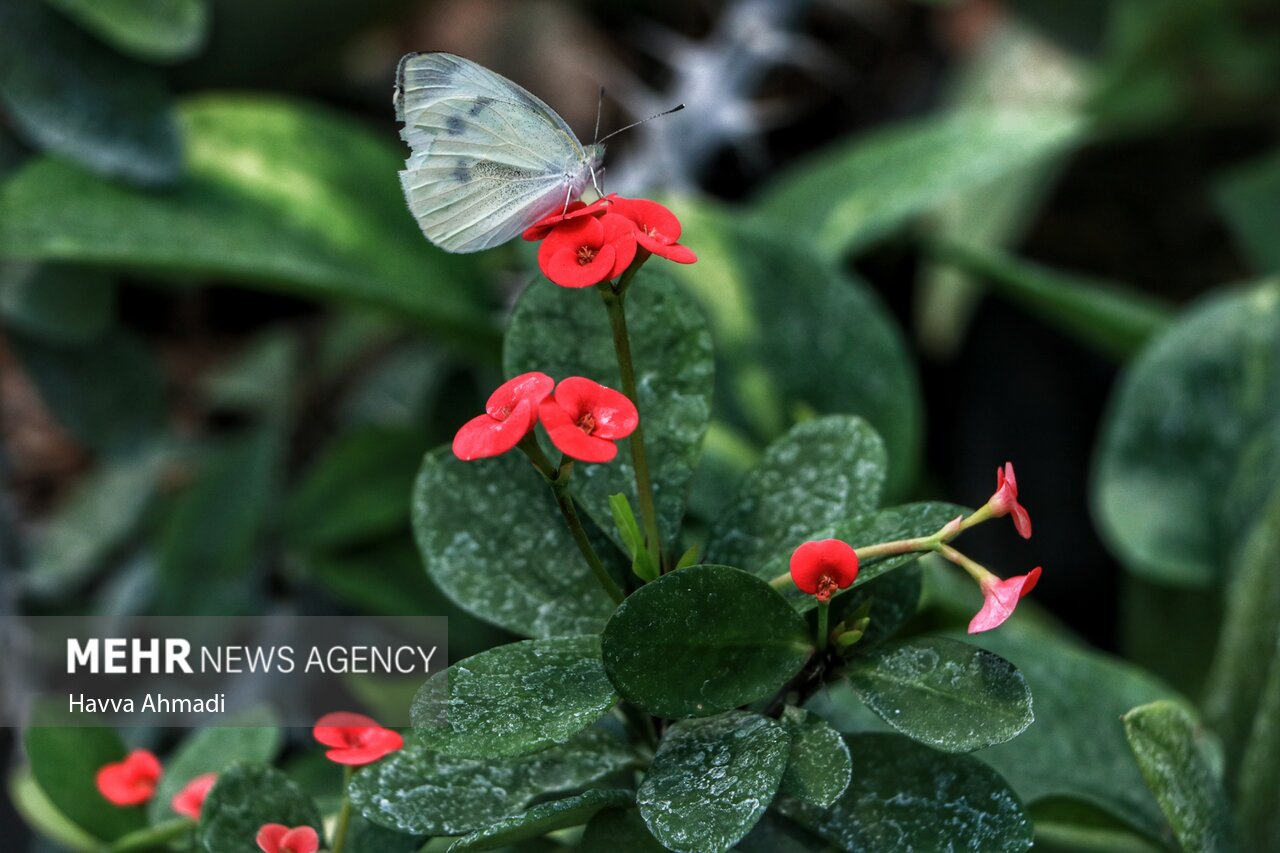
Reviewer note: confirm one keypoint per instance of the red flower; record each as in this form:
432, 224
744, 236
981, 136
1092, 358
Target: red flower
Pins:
509, 416
190, 799
584, 419
656, 228
587, 250
132, 781
823, 566
356, 739
1005, 500
278, 838
576, 209
1001, 597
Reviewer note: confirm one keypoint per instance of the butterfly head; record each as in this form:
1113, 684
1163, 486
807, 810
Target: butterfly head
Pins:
595, 163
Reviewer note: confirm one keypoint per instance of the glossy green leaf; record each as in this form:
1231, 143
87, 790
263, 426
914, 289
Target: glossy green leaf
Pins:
768, 343
1164, 738
624, 520
777, 834
59, 304
905, 796
1259, 776
614, 830
944, 693
543, 818
65, 763
514, 699
34, 807
1250, 198
366, 837
703, 640
565, 332
357, 489
250, 737
1113, 318
818, 474
1190, 430
73, 97
819, 767
847, 197
427, 793
493, 541
277, 194
245, 797
155, 30
712, 779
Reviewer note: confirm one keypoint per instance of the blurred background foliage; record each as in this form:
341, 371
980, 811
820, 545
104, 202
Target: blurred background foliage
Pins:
226, 346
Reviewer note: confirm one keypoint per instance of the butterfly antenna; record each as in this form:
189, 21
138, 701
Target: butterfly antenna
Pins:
677, 108
599, 110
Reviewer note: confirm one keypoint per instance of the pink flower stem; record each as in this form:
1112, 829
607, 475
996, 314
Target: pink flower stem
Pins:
976, 571
614, 297
344, 813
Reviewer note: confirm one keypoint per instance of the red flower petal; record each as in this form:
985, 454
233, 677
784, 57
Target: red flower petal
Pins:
484, 435
1005, 500
1000, 599
534, 387
569, 437
653, 221
132, 781
543, 227
613, 413
278, 838
822, 566
190, 799
356, 739
621, 235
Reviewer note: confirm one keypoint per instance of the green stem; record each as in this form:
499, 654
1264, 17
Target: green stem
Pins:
823, 630
614, 300
153, 836
344, 813
564, 499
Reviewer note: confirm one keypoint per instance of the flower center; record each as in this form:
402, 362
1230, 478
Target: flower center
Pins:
586, 255
827, 587
587, 423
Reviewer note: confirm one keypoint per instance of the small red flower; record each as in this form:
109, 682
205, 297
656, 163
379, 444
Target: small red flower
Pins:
588, 250
509, 416
278, 838
132, 781
1005, 500
657, 228
356, 739
584, 419
823, 566
576, 209
1000, 598
190, 799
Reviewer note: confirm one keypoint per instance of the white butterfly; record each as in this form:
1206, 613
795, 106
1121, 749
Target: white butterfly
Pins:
488, 159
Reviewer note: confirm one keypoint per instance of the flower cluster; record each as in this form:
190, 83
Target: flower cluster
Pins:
592, 243
582, 418
133, 781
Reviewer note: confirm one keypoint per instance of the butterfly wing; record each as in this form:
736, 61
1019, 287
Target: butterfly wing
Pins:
487, 158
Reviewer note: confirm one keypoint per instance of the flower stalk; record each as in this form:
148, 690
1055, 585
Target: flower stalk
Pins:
344, 813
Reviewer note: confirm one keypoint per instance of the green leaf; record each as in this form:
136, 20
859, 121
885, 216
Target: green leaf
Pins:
245, 797
152, 30
703, 640
427, 793
1113, 318
514, 699
58, 304
689, 557
65, 764
818, 474
891, 600
944, 693
848, 197
1192, 427
543, 818
491, 538
904, 796
565, 332
819, 767
34, 807
1163, 736
1250, 199
712, 779
1064, 825
67, 94
1259, 776
614, 830
767, 342
277, 194
252, 737
100, 515
357, 490
366, 837
624, 519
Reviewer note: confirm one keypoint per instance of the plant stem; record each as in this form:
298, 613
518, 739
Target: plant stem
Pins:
153, 836
614, 300
823, 630
344, 813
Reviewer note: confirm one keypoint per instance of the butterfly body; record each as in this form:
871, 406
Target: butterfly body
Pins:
487, 158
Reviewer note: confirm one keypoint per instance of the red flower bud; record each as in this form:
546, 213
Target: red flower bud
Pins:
278, 838
132, 781
190, 799
356, 739
823, 566
585, 418
509, 416
1000, 598
1005, 500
